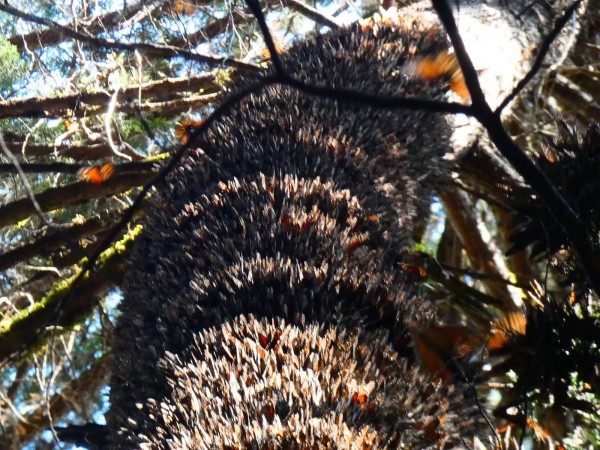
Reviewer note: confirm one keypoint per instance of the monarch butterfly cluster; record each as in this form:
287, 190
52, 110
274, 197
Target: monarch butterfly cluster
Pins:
96, 174
184, 130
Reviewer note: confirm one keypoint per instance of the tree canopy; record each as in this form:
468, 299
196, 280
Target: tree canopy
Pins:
97, 98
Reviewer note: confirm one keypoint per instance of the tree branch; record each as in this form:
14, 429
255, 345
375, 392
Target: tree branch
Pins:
50, 242
312, 13
77, 152
75, 297
58, 167
155, 50
40, 39
77, 393
71, 194
75, 104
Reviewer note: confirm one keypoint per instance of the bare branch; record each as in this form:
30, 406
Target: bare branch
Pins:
39, 39
74, 395
17, 165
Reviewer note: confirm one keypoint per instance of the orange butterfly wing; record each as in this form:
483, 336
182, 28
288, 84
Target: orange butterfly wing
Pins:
107, 171
95, 174
90, 174
185, 128
444, 64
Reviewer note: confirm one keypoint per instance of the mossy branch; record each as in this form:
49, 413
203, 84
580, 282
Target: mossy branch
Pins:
26, 328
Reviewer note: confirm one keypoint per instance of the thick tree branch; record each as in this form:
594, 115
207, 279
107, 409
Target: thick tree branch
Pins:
71, 194
50, 242
179, 105
74, 300
57, 167
77, 152
76, 104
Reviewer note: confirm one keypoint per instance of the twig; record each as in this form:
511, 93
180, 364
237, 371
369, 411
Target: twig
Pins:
37, 39
481, 195
312, 13
108, 121
481, 275
30, 194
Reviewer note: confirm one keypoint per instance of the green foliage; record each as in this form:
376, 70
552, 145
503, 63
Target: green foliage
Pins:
12, 67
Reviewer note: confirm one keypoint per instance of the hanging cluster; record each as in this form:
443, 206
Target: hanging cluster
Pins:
268, 301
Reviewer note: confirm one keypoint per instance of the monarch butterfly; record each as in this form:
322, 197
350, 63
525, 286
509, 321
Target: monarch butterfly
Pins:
184, 130
96, 174
443, 64
359, 398
266, 54
438, 346
505, 327
184, 8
